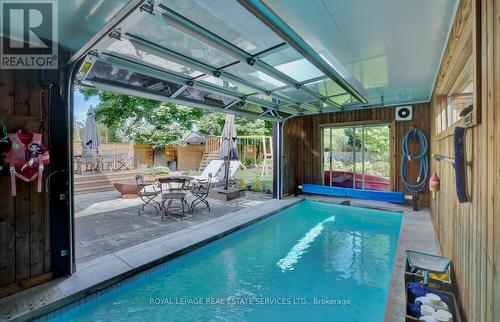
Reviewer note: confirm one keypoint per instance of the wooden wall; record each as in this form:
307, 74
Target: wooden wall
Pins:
469, 233
302, 143
24, 221
189, 156
143, 155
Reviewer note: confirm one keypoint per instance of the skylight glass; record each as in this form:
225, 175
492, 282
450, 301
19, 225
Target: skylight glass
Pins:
326, 87
125, 47
228, 20
155, 29
296, 95
290, 62
259, 78
228, 85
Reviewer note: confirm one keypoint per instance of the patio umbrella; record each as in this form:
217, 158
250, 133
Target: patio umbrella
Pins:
90, 140
228, 148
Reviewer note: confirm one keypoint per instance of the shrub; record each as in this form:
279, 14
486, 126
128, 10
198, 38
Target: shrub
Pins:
248, 162
154, 171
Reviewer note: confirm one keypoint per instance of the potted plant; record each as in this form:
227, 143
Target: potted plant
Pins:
153, 173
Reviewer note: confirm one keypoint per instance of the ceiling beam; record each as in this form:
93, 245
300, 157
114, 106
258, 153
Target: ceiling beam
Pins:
270, 51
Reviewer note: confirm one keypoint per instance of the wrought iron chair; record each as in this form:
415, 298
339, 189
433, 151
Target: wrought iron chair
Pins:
172, 190
200, 192
147, 192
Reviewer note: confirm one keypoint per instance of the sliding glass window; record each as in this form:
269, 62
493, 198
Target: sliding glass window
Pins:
357, 157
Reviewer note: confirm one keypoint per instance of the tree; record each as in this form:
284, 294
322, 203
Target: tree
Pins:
142, 120
212, 123
376, 139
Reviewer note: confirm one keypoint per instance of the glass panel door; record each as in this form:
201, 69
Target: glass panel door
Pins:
357, 157
377, 158
338, 157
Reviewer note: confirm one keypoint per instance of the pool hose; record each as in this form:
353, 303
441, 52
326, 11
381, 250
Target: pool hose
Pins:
413, 135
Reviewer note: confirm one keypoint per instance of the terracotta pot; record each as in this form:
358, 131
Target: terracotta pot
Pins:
128, 190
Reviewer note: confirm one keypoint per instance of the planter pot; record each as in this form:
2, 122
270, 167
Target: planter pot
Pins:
128, 190
150, 178
155, 177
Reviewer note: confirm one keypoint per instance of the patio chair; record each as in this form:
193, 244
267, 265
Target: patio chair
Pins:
147, 192
234, 166
126, 163
88, 159
173, 190
213, 168
200, 192
106, 160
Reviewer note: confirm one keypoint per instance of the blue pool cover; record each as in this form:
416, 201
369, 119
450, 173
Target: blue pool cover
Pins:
389, 196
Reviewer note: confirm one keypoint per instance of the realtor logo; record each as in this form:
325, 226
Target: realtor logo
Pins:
28, 34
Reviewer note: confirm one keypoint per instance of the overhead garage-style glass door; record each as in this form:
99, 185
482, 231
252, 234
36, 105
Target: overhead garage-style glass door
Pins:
357, 157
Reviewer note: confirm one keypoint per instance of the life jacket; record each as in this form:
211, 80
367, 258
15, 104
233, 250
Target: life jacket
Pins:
26, 158
4, 143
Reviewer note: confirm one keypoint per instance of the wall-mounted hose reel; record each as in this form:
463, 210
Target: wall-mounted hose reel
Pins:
415, 135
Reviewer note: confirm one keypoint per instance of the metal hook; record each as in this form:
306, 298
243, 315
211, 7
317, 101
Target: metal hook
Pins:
440, 157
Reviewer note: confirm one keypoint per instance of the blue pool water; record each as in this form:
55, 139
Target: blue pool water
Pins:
310, 262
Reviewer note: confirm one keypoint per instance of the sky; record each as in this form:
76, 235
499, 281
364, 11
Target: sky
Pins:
81, 106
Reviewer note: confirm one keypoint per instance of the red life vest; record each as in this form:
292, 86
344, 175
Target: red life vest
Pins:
26, 158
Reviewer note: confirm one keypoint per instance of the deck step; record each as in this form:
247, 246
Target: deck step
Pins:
98, 175
207, 157
102, 181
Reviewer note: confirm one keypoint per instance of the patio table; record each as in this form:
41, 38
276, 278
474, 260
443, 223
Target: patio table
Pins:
181, 177
177, 189
187, 180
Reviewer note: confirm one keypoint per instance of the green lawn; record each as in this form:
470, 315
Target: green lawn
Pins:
249, 176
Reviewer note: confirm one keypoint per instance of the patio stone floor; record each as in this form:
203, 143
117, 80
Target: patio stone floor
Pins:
106, 223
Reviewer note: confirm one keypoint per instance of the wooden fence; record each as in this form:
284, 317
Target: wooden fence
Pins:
248, 146
143, 153
189, 157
